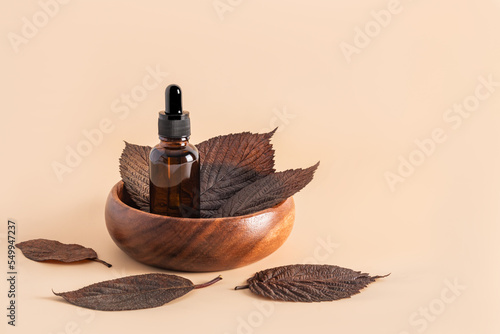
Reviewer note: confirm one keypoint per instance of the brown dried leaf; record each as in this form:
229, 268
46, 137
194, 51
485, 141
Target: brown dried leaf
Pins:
308, 283
134, 170
267, 192
47, 250
132, 292
230, 163
227, 164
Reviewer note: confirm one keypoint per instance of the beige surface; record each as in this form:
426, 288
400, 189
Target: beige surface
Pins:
258, 65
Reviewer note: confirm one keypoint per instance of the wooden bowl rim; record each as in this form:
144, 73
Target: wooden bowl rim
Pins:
121, 184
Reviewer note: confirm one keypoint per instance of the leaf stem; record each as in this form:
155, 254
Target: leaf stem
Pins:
103, 262
204, 285
241, 287
383, 276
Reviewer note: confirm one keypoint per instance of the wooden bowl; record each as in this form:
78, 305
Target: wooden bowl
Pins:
196, 244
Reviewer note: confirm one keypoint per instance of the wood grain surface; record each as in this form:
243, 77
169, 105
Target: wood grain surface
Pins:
196, 244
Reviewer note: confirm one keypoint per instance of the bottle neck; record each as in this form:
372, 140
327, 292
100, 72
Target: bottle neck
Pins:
183, 141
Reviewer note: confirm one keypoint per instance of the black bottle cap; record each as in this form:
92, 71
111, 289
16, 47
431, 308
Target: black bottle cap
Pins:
173, 122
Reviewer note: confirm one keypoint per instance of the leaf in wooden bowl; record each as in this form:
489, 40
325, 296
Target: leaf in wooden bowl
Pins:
134, 170
267, 192
227, 164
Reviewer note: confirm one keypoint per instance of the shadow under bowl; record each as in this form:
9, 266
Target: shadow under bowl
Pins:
196, 244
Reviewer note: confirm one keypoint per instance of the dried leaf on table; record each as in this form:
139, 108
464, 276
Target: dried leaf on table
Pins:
52, 250
308, 283
132, 292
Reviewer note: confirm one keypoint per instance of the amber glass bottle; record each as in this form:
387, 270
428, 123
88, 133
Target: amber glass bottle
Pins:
174, 169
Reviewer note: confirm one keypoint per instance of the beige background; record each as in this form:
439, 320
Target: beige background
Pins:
249, 67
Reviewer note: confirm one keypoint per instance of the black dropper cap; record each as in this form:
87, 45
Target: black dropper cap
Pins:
173, 122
